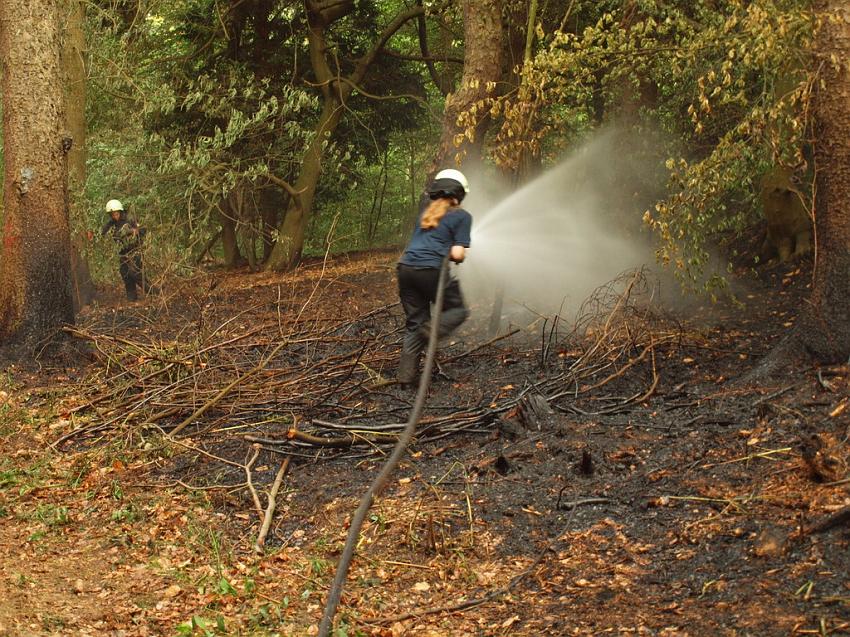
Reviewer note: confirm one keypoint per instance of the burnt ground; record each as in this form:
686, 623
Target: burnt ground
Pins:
625, 475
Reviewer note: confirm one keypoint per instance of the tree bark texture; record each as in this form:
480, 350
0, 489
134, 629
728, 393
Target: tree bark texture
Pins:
229, 239
73, 57
35, 270
482, 70
74, 72
824, 328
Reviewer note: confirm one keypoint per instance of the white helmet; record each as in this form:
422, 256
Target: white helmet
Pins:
113, 205
451, 173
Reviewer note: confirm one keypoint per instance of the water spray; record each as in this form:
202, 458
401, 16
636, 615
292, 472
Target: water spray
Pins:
545, 247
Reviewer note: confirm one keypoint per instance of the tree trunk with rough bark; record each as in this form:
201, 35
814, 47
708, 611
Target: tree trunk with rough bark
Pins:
290, 242
35, 280
824, 328
482, 70
74, 73
229, 239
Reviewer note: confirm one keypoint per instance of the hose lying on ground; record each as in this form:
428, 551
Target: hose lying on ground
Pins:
380, 481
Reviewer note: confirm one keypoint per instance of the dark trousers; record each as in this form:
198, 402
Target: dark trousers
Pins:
132, 273
417, 289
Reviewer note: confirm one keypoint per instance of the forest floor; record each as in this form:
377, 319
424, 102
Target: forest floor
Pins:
623, 473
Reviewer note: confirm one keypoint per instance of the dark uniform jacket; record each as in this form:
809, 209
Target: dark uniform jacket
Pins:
122, 232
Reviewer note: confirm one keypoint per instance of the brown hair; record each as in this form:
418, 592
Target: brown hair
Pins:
435, 211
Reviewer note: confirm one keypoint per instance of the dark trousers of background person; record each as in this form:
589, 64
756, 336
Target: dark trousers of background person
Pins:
132, 273
417, 289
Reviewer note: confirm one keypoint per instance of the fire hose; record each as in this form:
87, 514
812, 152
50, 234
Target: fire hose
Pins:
380, 481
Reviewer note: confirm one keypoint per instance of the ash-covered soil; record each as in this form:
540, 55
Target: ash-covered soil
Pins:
612, 474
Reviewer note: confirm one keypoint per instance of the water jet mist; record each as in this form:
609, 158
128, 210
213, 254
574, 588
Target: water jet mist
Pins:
549, 244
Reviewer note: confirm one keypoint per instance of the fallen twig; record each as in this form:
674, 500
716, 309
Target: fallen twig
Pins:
842, 516
267, 518
752, 456
250, 483
217, 398
472, 350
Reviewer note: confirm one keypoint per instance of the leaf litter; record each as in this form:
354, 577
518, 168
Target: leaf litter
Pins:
606, 475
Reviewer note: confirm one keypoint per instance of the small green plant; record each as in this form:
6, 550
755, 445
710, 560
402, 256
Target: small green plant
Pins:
268, 615
51, 515
52, 622
208, 540
9, 478
224, 587
379, 521
345, 630
318, 566
203, 626
128, 513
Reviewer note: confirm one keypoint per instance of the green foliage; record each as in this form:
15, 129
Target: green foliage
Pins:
374, 206
200, 109
721, 86
199, 625
51, 515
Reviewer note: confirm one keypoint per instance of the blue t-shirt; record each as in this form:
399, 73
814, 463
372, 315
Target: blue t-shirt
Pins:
428, 247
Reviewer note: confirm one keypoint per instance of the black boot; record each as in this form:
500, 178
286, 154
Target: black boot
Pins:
408, 368
130, 288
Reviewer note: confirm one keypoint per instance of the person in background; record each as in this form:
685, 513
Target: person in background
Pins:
443, 229
128, 234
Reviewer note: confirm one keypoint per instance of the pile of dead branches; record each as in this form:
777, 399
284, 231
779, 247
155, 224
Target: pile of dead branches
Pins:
309, 386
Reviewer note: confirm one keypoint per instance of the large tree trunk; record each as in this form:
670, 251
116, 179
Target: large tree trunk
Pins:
482, 69
824, 328
74, 72
335, 91
229, 240
35, 281
290, 243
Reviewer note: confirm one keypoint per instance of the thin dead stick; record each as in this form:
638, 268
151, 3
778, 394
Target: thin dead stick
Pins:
256, 498
620, 300
267, 518
208, 454
752, 456
569, 506
212, 487
842, 516
623, 369
481, 346
237, 381
655, 378
259, 366
775, 394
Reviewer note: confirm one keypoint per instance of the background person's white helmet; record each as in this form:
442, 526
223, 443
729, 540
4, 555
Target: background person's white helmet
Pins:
451, 173
113, 205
